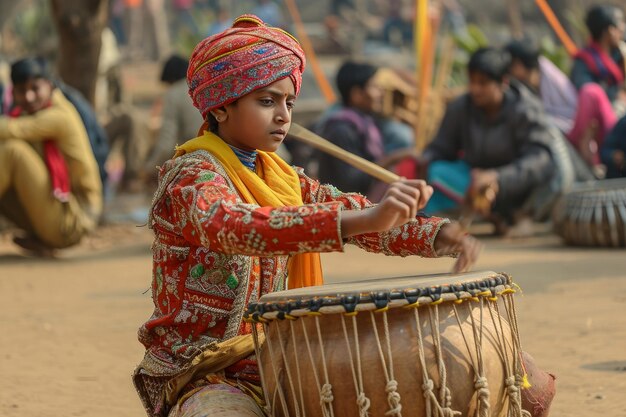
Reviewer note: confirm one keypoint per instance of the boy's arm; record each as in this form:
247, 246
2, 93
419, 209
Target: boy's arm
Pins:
414, 238
200, 205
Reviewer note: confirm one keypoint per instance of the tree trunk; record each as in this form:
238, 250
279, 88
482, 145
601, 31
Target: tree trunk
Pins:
515, 19
80, 24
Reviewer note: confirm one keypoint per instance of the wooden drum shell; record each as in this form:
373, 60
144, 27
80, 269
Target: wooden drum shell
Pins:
305, 350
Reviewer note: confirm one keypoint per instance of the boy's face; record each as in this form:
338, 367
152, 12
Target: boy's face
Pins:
33, 95
259, 120
367, 98
484, 91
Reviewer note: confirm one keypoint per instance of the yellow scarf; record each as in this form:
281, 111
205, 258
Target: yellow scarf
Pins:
275, 184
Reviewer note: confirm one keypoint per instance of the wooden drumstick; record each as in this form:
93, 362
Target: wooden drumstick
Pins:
304, 135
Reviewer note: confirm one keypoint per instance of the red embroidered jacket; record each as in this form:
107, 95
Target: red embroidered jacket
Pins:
213, 254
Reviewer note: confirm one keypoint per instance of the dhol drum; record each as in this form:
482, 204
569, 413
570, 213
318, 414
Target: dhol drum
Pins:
438, 345
593, 214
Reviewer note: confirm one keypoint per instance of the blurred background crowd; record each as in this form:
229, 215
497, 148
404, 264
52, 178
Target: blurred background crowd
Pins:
502, 112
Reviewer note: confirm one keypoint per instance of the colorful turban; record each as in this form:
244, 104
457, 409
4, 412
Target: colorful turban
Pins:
248, 56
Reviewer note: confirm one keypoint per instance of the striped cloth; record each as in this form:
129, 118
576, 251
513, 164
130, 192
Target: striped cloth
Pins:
243, 58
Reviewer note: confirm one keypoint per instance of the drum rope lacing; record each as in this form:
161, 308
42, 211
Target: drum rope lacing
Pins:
481, 384
519, 370
428, 386
295, 354
308, 346
327, 388
268, 340
509, 352
514, 380
257, 352
291, 382
361, 399
393, 397
444, 392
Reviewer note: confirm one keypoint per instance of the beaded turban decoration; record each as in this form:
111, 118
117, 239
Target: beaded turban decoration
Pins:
248, 56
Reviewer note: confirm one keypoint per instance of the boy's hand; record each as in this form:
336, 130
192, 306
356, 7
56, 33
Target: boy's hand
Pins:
453, 239
400, 204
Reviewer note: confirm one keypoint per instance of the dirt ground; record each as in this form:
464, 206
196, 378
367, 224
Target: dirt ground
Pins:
68, 325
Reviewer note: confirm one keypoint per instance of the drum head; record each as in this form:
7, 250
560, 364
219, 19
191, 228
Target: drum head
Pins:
377, 293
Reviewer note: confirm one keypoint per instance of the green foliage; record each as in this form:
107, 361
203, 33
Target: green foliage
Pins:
32, 26
467, 43
473, 39
185, 40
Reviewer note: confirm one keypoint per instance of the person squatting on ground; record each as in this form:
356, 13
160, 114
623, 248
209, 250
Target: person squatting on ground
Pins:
50, 185
232, 221
491, 150
598, 72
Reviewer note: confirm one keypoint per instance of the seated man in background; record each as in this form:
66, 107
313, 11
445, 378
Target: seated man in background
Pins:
357, 127
180, 121
491, 150
50, 185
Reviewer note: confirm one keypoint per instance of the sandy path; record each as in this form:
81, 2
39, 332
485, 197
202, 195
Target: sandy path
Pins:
68, 326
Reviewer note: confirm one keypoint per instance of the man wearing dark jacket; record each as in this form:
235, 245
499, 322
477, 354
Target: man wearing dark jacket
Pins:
491, 150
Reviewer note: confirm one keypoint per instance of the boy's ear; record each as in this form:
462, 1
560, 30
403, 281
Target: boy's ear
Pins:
220, 114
